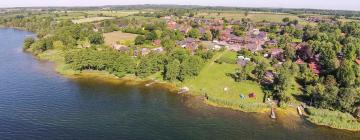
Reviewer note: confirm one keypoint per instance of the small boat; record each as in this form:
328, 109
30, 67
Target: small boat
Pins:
149, 84
272, 116
299, 110
183, 90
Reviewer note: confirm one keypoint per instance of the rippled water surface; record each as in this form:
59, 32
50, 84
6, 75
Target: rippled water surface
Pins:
37, 103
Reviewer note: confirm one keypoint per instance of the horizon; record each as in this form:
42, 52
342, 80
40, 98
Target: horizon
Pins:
347, 5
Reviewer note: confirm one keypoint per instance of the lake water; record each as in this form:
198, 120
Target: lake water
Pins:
38, 103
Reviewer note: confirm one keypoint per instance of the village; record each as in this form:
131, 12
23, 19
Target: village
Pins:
219, 34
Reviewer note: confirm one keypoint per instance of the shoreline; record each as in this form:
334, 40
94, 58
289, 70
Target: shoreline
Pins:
55, 57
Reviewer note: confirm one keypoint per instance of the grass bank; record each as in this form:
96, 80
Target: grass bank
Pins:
333, 119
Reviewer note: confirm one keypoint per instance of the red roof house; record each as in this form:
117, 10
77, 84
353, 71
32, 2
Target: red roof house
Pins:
314, 68
358, 61
299, 61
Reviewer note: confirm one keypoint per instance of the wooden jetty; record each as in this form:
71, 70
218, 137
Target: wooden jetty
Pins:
299, 110
273, 116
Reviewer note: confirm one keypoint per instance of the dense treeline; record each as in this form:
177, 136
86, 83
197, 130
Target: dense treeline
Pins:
84, 49
111, 61
338, 46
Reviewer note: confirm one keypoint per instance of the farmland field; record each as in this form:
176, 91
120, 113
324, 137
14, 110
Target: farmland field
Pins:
255, 16
91, 19
113, 37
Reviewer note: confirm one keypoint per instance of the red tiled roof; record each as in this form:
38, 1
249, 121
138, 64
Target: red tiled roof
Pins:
314, 68
299, 62
358, 61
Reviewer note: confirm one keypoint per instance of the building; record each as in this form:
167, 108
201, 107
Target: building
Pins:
121, 48
315, 68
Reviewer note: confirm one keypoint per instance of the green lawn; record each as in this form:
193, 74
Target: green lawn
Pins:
212, 81
114, 37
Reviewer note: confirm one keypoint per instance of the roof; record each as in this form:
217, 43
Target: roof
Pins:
358, 61
300, 62
314, 68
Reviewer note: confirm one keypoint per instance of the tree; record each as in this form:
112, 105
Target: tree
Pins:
330, 96
286, 19
27, 42
139, 40
348, 98
58, 45
172, 70
282, 84
289, 52
346, 74
96, 38
168, 44
190, 67
151, 35
350, 51
194, 33
144, 68
246, 13
207, 36
259, 71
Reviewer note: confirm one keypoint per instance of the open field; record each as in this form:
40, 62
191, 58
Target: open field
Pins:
212, 81
91, 19
112, 13
254, 16
113, 37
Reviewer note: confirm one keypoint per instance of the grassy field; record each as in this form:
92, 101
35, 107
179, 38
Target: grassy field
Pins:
113, 37
334, 119
212, 81
112, 13
254, 16
91, 19
57, 57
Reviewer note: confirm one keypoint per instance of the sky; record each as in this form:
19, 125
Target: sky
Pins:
314, 4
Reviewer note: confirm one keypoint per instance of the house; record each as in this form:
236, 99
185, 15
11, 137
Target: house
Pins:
145, 51
202, 30
268, 77
183, 28
142, 52
276, 52
235, 22
171, 25
357, 61
315, 68
121, 48
272, 42
189, 43
313, 19
157, 42
242, 61
158, 49
299, 61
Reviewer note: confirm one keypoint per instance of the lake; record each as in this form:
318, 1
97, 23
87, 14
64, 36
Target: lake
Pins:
38, 103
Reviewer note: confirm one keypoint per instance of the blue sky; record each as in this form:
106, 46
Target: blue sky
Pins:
318, 4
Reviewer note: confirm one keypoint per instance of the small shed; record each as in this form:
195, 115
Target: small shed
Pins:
252, 95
